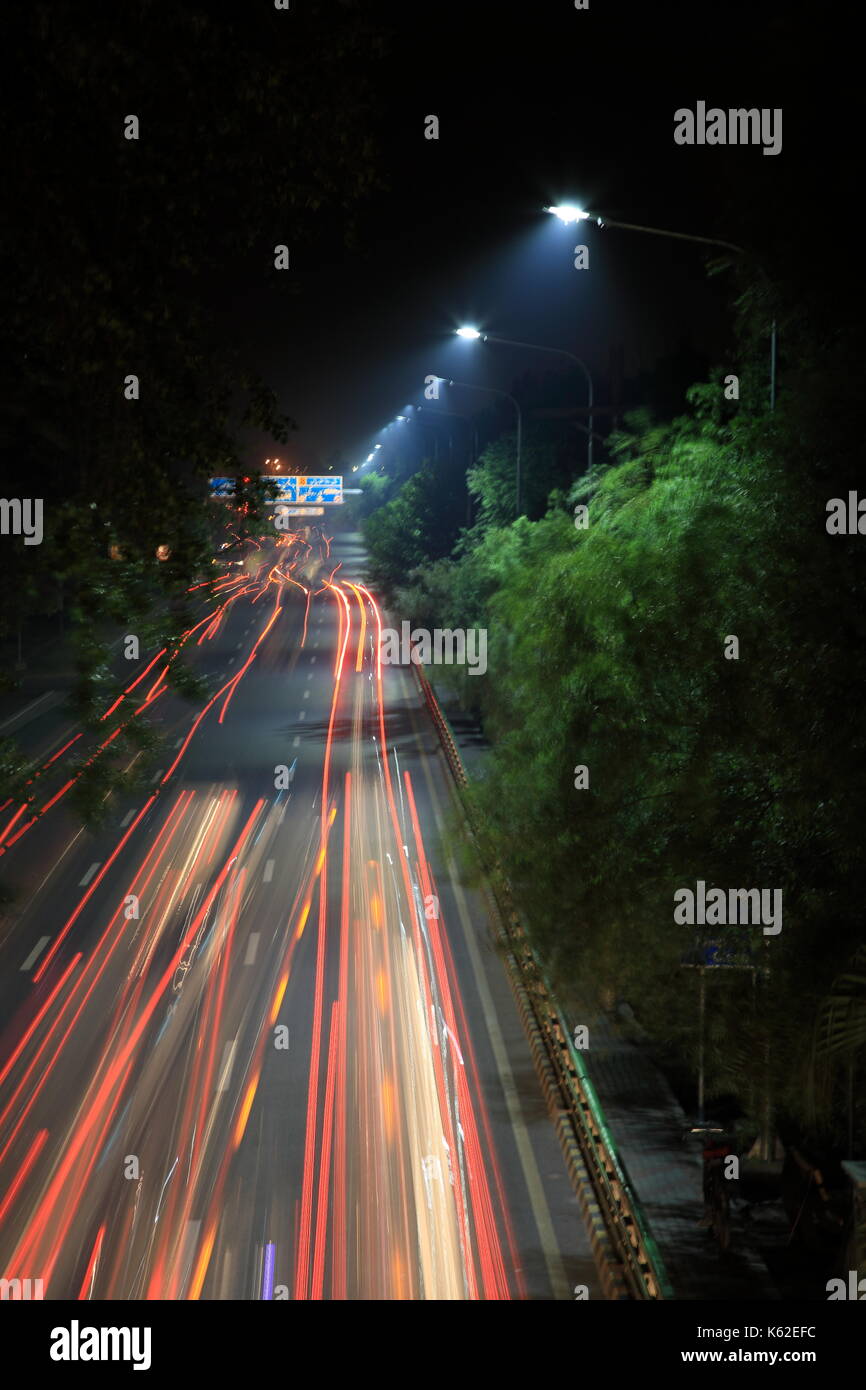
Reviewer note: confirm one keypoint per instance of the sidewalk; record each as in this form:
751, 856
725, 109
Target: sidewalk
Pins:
647, 1124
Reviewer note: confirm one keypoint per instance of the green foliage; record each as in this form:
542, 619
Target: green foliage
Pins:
121, 248
493, 481
606, 648
407, 531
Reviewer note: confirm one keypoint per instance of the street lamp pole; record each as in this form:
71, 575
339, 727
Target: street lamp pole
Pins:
660, 231
569, 213
560, 352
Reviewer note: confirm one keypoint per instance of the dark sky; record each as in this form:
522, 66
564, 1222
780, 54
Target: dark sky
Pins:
537, 103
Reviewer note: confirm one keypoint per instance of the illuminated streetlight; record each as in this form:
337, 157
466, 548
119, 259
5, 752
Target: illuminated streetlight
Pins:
467, 332
569, 213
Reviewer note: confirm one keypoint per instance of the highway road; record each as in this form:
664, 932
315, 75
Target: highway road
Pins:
255, 1039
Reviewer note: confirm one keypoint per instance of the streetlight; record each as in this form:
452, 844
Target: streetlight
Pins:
494, 391
473, 333
568, 213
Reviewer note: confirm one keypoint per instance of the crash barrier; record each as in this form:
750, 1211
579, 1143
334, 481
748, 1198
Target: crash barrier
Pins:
627, 1255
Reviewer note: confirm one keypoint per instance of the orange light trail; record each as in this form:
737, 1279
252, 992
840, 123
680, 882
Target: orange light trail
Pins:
46, 960
17, 1183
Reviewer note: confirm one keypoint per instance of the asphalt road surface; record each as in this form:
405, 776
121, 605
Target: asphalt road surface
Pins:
255, 1039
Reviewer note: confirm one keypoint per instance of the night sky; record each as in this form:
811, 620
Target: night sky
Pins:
537, 104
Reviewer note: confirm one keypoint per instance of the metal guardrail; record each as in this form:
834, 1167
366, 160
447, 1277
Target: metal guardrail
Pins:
632, 1243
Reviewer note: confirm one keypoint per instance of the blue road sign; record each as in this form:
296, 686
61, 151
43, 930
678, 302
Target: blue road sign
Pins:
308, 488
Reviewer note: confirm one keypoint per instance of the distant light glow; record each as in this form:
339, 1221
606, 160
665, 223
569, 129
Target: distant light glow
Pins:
401, 417
569, 213
467, 332
377, 446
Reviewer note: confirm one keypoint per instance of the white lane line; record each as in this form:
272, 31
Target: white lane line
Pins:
89, 875
231, 661
56, 865
126, 819
306, 694
312, 661
252, 947
37, 951
303, 714
309, 675
269, 871
179, 742
156, 776
238, 647
296, 741
227, 1064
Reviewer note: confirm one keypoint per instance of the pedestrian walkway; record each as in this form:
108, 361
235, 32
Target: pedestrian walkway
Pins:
648, 1124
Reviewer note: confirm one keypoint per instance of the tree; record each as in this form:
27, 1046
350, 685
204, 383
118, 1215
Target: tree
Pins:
123, 383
